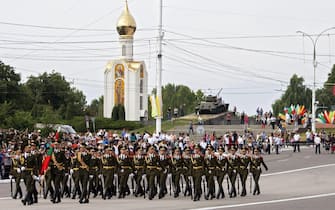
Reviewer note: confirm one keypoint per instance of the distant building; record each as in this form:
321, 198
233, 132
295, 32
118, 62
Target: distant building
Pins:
126, 80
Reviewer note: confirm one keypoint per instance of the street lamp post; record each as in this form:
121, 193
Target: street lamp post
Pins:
314, 41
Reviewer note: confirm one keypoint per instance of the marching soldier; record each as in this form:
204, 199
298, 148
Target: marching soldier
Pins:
151, 171
29, 172
211, 164
124, 171
58, 159
187, 171
16, 172
67, 166
109, 166
255, 169
243, 170
95, 168
139, 171
84, 160
233, 166
177, 169
221, 170
38, 163
74, 172
163, 170
198, 164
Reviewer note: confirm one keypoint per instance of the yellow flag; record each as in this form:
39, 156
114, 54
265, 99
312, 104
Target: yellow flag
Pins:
159, 106
153, 102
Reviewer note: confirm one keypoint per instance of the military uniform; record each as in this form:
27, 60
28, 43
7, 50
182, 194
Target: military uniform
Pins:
210, 167
177, 169
84, 160
108, 169
243, 170
151, 171
221, 171
139, 170
16, 173
255, 169
198, 166
74, 172
233, 166
58, 159
29, 170
187, 171
164, 167
67, 166
124, 170
95, 169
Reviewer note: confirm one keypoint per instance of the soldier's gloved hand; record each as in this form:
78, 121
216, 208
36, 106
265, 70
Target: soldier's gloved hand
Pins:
209, 171
66, 174
144, 175
23, 168
10, 177
36, 178
100, 176
91, 176
165, 171
18, 170
71, 171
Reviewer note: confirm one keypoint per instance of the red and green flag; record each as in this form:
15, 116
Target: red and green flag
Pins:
46, 161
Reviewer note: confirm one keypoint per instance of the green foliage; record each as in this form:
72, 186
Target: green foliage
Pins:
96, 107
181, 97
20, 120
121, 112
296, 93
325, 95
78, 123
118, 113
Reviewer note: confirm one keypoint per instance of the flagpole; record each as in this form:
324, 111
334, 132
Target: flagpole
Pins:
159, 71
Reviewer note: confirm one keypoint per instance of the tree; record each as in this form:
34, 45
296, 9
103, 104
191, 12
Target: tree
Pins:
20, 120
325, 95
96, 107
296, 93
53, 90
179, 96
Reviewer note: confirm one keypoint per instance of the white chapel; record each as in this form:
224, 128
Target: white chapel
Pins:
126, 80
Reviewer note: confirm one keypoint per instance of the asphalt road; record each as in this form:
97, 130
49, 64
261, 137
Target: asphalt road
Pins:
294, 181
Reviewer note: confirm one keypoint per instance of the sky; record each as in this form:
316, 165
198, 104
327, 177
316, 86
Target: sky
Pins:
250, 49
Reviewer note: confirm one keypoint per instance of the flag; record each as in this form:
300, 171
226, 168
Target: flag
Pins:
46, 161
159, 106
154, 112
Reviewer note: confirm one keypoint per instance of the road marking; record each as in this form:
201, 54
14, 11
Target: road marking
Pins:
5, 198
298, 170
307, 157
283, 160
267, 202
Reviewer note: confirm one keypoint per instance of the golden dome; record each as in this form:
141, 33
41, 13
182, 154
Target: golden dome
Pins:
126, 25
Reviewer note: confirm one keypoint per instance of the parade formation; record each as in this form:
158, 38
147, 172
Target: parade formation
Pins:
64, 169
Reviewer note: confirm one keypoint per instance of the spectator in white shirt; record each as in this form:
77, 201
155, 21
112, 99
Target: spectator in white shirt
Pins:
317, 142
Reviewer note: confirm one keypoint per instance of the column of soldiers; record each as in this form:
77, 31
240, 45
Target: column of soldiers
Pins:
87, 171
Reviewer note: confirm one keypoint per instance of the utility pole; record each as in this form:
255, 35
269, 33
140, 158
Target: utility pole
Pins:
314, 41
159, 70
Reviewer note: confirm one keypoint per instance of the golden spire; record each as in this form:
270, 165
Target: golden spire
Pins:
126, 25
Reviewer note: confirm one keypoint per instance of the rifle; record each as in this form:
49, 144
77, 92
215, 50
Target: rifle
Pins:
182, 183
